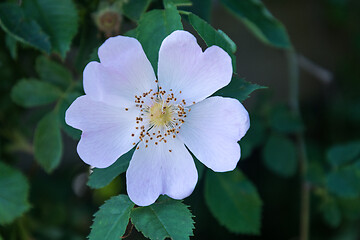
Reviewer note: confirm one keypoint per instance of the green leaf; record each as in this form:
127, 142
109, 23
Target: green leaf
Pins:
100, 177
47, 142
14, 191
331, 212
283, 120
279, 155
153, 27
134, 9
259, 20
213, 37
234, 201
229, 40
238, 88
24, 29
53, 72
200, 168
131, 33
58, 19
210, 35
112, 218
343, 153
165, 218
32, 92
63, 105
345, 182
11, 44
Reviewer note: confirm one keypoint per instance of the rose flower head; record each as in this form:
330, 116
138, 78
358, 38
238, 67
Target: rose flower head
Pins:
126, 106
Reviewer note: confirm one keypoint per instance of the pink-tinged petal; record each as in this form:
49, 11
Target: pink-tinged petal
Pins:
212, 129
103, 84
106, 130
124, 72
155, 170
183, 66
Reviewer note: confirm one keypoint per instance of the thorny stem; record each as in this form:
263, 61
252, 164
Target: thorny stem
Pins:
293, 70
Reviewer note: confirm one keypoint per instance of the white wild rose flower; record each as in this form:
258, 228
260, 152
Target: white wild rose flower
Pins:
126, 106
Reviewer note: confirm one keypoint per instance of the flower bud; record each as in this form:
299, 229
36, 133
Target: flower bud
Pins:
108, 21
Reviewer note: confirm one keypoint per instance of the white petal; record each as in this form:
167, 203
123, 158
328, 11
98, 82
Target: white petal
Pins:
184, 67
212, 129
124, 72
106, 130
155, 170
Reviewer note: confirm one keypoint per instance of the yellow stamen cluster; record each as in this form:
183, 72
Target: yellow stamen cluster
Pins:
162, 112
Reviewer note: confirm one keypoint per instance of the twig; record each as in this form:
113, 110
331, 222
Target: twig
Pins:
293, 69
131, 226
324, 75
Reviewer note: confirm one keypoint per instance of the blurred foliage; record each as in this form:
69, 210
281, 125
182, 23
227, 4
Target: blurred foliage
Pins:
44, 192
234, 201
279, 155
14, 194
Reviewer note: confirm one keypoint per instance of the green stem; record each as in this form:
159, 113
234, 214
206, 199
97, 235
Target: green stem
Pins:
184, 12
305, 190
303, 159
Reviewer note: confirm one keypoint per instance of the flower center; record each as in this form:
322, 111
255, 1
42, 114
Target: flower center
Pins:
161, 116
